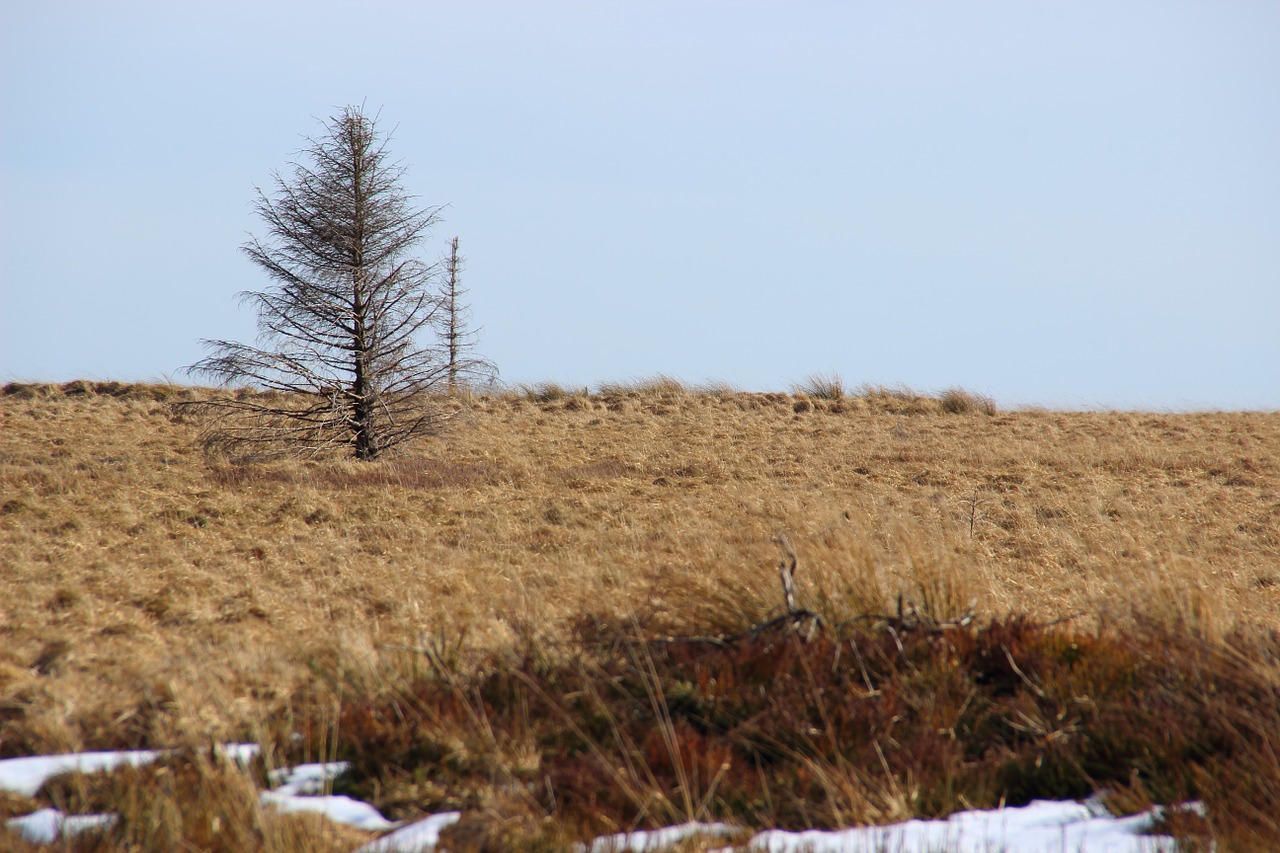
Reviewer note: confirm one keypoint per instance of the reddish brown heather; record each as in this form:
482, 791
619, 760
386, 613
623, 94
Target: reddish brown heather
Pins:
852, 724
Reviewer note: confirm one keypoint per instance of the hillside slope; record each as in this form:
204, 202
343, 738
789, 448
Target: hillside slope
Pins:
153, 594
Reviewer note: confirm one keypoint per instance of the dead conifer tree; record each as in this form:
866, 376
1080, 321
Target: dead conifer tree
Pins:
465, 368
338, 327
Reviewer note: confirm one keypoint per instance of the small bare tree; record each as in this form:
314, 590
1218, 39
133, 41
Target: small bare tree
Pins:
465, 368
337, 329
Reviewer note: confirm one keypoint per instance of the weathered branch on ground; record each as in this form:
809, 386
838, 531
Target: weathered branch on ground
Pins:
787, 572
908, 618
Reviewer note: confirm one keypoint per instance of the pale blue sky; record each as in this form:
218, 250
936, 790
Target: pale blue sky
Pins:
1058, 203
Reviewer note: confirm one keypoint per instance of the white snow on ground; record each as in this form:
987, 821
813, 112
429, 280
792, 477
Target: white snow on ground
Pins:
1045, 826
296, 789
338, 809
641, 841
240, 753
48, 825
416, 837
1041, 827
306, 778
25, 776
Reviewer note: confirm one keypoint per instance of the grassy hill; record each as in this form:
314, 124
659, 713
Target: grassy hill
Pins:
157, 597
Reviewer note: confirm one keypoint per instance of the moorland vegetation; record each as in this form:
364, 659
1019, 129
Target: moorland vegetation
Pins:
561, 616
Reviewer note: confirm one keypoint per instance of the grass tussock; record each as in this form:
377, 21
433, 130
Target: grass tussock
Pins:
546, 392
958, 401
899, 400
160, 598
822, 386
660, 385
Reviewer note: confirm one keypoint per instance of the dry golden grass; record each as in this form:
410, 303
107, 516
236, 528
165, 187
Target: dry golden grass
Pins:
155, 597
152, 594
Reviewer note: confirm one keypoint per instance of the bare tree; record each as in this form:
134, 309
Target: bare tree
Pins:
465, 368
337, 328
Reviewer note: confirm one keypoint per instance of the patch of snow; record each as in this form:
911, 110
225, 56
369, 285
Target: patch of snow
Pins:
641, 841
418, 837
1042, 826
1045, 826
338, 809
296, 790
48, 825
240, 753
306, 778
25, 776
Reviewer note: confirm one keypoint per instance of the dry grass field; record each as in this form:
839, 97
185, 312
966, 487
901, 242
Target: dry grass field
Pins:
155, 597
